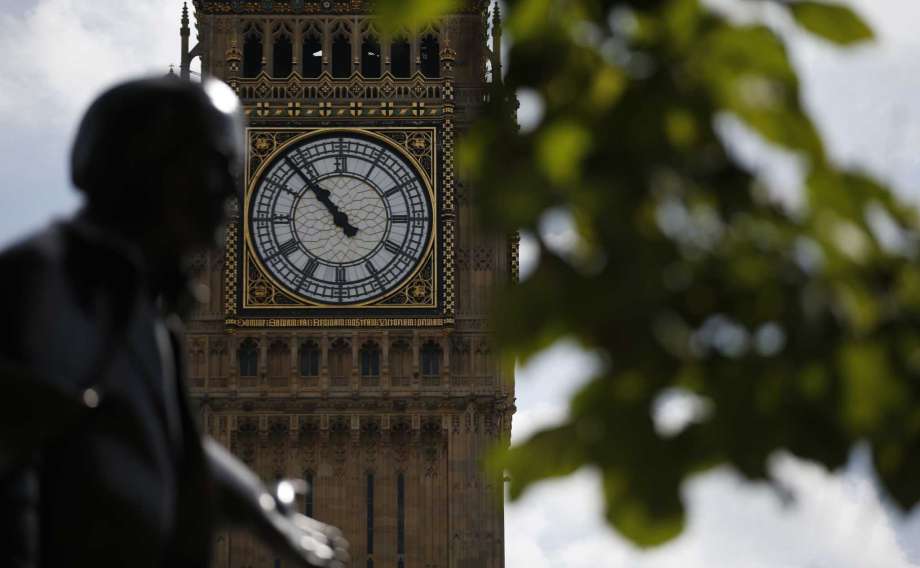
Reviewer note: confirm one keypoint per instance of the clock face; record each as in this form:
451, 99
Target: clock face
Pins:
340, 218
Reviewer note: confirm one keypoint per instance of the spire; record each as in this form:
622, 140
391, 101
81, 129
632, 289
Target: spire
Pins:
496, 44
184, 33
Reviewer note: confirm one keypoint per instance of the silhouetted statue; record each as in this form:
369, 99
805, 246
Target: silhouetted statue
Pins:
101, 462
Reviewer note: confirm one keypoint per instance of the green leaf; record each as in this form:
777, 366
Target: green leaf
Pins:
832, 22
872, 391
549, 453
561, 149
632, 515
747, 72
396, 15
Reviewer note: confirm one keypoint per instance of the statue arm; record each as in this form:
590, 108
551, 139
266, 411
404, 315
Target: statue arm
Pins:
245, 502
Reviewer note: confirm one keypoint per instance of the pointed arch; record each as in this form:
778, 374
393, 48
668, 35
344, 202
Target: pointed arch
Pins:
252, 51
282, 52
430, 56
400, 54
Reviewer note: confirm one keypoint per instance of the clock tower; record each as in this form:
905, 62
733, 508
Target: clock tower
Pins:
345, 337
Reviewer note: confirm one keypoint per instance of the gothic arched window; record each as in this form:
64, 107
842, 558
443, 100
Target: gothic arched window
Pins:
341, 56
312, 56
309, 359
282, 55
310, 497
370, 57
279, 356
248, 355
252, 52
431, 359
369, 494
369, 357
339, 362
400, 519
400, 362
430, 57
399, 58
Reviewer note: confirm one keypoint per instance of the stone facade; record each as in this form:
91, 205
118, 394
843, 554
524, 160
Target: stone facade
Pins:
393, 450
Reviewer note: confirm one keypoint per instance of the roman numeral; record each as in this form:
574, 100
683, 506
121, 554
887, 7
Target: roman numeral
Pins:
341, 163
392, 247
376, 161
279, 219
400, 218
275, 186
339, 275
393, 191
287, 248
307, 272
373, 271
397, 250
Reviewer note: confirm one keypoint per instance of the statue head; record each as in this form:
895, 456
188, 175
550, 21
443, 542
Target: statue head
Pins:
157, 160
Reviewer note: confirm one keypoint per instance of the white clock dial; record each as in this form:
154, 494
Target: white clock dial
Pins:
340, 218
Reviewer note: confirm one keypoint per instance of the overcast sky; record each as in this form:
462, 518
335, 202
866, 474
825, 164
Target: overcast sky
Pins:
59, 53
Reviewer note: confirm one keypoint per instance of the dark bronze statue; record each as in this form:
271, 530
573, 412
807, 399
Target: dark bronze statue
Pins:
101, 462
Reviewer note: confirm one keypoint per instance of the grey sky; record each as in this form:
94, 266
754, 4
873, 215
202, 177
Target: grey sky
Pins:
59, 53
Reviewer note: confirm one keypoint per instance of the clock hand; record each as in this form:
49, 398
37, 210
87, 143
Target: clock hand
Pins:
339, 217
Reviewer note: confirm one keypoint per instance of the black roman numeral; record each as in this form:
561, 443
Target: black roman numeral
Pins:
307, 272
392, 247
279, 219
393, 191
373, 271
376, 161
400, 218
287, 248
280, 187
339, 275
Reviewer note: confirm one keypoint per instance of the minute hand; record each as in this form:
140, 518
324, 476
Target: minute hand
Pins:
339, 217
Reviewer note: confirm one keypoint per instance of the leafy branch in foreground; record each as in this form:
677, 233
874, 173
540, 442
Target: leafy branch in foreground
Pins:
799, 328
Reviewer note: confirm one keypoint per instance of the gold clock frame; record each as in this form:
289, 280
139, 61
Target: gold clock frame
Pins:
416, 301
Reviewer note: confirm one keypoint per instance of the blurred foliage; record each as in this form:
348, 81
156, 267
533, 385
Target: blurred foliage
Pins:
797, 327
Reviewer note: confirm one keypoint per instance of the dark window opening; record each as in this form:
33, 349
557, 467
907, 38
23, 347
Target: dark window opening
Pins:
283, 57
252, 55
431, 359
249, 358
341, 57
400, 363
309, 360
311, 491
339, 362
400, 516
430, 57
399, 58
370, 513
370, 360
370, 57
312, 57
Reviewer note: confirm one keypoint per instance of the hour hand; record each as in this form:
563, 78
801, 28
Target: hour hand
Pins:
339, 217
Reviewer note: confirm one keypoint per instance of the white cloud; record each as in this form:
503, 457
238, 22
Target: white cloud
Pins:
835, 521
58, 54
